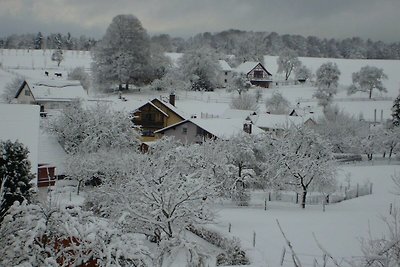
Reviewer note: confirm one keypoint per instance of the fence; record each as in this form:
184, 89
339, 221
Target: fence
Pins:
313, 198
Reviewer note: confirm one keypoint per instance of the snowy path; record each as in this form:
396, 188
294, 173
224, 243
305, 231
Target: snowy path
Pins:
338, 229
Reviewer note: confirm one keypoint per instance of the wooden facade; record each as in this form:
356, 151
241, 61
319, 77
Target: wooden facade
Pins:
155, 115
46, 175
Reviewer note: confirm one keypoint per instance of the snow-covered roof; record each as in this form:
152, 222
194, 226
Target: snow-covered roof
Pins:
224, 128
21, 122
56, 90
224, 65
248, 66
237, 114
51, 152
272, 121
165, 103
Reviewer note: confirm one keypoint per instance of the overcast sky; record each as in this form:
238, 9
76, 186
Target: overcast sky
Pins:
375, 19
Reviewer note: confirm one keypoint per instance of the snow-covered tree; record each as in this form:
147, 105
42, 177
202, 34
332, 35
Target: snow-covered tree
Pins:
81, 75
122, 56
239, 83
368, 79
302, 73
244, 101
288, 62
172, 187
96, 127
15, 174
277, 104
45, 235
304, 162
371, 142
391, 140
396, 112
57, 56
327, 81
201, 68
95, 168
341, 130
11, 89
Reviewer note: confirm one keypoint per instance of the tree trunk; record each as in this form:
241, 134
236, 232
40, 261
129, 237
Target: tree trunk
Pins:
79, 187
370, 93
390, 152
120, 87
303, 199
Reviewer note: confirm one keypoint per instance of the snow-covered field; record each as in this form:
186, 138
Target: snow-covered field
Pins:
338, 228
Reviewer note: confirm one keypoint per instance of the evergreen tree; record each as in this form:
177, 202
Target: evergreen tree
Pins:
15, 171
396, 112
38, 43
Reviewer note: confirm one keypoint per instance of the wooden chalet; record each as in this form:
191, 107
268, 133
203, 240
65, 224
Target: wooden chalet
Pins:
256, 73
155, 115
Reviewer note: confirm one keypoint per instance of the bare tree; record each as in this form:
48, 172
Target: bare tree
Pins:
288, 62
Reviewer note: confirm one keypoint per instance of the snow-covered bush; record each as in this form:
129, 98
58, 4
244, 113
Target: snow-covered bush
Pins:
233, 254
96, 127
81, 75
244, 101
277, 104
38, 235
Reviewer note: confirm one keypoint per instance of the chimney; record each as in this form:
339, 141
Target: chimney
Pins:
247, 127
172, 99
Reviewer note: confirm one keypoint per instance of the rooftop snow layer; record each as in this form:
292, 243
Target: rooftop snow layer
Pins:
56, 90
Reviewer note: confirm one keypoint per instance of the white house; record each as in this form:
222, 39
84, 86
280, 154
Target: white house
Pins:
225, 75
198, 130
49, 94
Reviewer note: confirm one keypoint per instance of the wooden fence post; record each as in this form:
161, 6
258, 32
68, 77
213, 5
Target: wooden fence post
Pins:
390, 208
265, 203
229, 227
254, 239
357, 192
269, 196
370, 188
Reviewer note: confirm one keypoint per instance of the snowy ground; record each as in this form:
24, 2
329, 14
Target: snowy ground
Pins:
338, 229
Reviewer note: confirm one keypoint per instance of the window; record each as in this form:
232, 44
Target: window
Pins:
184, 130
226, 73
149, 117
258, 74
27, 92
225, 80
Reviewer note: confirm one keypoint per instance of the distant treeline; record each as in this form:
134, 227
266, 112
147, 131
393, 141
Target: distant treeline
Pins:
230, 42
52, 41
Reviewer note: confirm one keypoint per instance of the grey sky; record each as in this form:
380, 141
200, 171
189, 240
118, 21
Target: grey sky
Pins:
375, 19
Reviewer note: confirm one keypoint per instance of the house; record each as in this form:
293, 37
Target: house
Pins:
51, 158
256, 73
21, 123
50, 94
278, 123
198, 130
155, 115
225, 75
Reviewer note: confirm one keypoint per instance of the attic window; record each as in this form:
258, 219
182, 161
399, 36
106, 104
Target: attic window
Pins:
184, 130
258, 74
27, 93
226, 73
